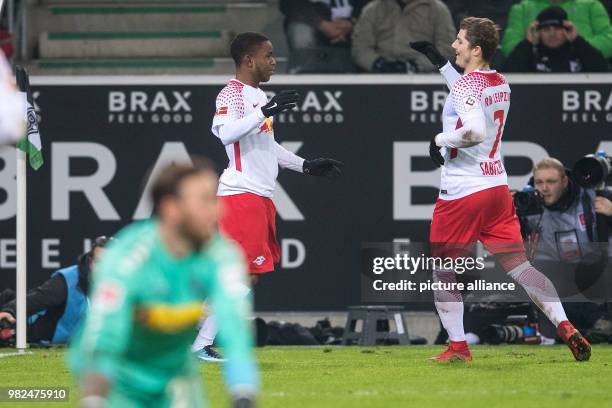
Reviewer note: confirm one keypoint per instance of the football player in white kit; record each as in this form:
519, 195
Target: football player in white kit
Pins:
474, 202
243, 122
13, 106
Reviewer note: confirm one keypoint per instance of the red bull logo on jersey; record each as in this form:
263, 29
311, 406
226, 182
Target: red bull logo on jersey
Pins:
266, 126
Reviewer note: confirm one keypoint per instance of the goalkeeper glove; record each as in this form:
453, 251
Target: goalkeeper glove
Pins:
329, 168
282, 101
434, 153
431, 52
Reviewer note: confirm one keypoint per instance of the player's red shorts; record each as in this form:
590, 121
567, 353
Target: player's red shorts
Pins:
487, 216
250, 220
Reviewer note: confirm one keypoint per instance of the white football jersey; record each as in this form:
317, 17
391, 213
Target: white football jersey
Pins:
13, 107
253, 163
471, 169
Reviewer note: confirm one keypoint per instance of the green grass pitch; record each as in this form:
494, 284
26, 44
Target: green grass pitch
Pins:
502, 376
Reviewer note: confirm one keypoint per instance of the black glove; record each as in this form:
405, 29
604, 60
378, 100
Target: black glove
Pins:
434, 153
431, 52
329, 168
243, 402
282, 101
384, 66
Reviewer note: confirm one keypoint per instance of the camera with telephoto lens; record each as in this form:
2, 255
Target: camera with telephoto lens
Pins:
526, 199
517, 329
593, 171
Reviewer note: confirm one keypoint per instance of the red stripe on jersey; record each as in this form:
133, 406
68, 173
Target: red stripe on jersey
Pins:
222, 110
237, 161
454, 151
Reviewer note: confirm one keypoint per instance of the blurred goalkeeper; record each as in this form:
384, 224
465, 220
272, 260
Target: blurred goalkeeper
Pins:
147, 296
13, 107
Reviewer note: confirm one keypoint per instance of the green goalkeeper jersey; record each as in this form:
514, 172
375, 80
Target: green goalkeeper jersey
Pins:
145, 309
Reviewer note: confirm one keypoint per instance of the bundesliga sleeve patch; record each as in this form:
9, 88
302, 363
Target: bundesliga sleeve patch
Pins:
221, 111
469, 103
109, 296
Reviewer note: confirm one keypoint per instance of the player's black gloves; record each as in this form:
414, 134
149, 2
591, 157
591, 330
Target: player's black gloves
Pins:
384, 66
282, 101
434, 153
431, 52
329, 168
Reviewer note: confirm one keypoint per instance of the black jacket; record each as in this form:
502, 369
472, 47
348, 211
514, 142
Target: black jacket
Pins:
50, 296
312, 12
579, 56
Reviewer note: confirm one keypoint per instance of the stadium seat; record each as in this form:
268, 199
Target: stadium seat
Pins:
138, 36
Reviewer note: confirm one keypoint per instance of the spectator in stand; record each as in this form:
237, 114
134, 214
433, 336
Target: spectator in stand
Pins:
382, 36
588, 18
319, 33
553, 45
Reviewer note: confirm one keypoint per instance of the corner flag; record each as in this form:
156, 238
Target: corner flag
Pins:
31, 144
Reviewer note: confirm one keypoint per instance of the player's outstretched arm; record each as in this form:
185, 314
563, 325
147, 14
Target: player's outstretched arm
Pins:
287, 159
230, 300
443, 65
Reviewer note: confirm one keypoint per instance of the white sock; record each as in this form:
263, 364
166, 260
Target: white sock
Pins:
541, 291
206, 335
449, 305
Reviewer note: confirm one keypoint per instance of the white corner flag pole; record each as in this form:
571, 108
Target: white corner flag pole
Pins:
21, 250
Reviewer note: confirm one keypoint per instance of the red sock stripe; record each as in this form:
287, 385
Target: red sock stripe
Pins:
511, 260
531, 277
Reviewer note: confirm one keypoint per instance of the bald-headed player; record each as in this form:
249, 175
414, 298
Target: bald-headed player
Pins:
244, 123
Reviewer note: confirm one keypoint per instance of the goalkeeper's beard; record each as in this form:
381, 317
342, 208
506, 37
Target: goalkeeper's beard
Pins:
195, 238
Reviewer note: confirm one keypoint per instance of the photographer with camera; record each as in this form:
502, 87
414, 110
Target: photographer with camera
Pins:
56, 307
565, 222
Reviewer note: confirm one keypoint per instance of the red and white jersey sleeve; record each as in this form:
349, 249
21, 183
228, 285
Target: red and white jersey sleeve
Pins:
477, 97
253, 154
13, 106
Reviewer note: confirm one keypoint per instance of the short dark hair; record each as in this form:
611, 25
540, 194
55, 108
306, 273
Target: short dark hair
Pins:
483, 33
245, 44
169, 180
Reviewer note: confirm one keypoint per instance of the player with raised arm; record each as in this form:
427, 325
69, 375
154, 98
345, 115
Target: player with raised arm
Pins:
243, 122
147, 299
474, 186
